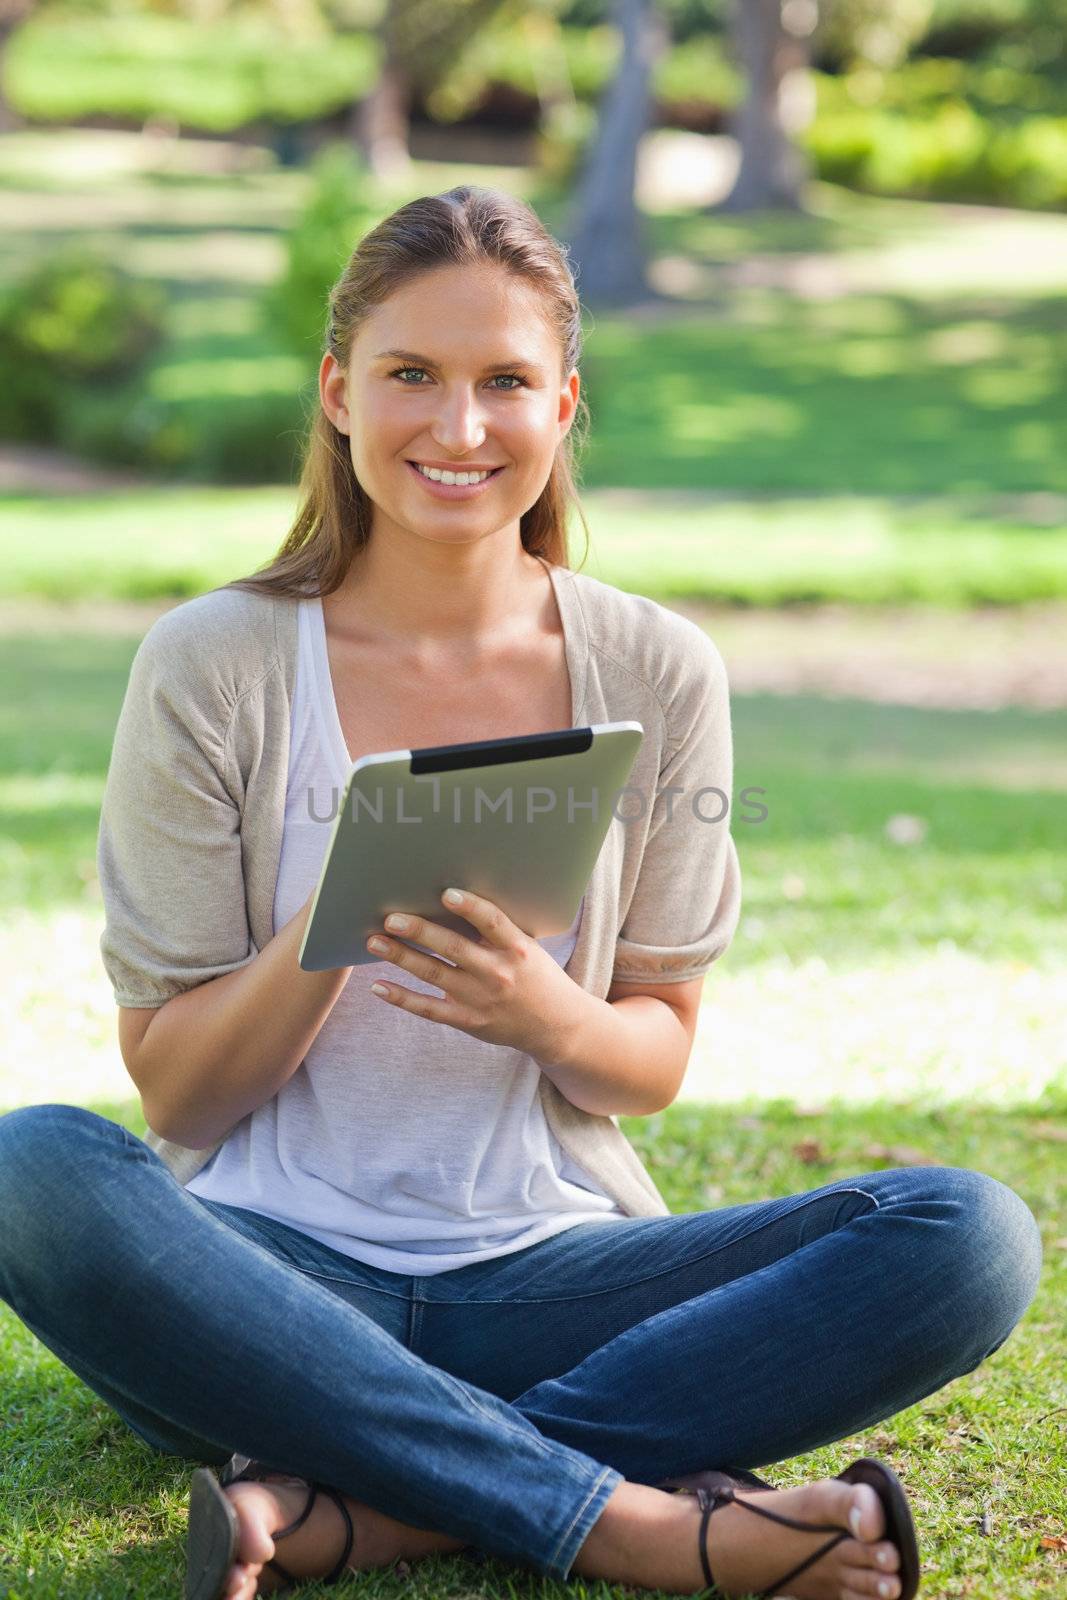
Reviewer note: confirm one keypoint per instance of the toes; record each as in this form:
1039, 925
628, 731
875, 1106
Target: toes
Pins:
860, 1584
885, 1556
863, 1512
241, 1584
254, 1506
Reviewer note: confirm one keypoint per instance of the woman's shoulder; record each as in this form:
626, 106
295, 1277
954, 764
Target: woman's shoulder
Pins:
664, 648
226, 636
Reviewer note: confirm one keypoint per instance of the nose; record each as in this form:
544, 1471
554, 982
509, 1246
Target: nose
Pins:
458, 427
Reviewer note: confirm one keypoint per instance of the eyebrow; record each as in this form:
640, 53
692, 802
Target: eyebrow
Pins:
425, 361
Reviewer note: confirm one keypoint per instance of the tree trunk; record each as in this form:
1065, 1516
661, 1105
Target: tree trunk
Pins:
10, 17
381, 122
605, 231
772, 46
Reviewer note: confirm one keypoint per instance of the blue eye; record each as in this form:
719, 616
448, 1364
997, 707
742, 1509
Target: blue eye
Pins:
517, 381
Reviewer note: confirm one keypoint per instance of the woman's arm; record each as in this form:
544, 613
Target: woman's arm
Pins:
214, 1053
627, 1055
210, 1026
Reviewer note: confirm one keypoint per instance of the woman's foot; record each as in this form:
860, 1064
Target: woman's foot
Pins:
747, 1552
645, 1537
649, 1538
315, 1547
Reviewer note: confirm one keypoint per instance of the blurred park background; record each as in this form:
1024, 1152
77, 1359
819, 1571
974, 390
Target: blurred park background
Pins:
822, 250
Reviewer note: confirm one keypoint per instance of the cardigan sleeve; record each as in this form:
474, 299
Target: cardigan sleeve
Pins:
169, 842
687, 898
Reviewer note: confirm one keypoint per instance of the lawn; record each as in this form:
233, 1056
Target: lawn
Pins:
865, 403
86, 1508
742, 549
884, 1002
849, 406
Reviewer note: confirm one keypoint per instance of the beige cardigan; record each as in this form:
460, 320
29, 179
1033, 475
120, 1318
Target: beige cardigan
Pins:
194, 805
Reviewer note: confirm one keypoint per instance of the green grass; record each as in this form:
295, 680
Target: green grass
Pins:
87, 1509
754, 551
779, 447
892, 433
989, 875
863, 447
865, 394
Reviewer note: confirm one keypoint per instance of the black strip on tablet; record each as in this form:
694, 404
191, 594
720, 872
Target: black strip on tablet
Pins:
493, 752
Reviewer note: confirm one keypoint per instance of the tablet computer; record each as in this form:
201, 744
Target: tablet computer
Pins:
520, 821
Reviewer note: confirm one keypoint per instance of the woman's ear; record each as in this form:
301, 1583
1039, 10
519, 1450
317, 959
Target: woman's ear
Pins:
332, 394
568, 401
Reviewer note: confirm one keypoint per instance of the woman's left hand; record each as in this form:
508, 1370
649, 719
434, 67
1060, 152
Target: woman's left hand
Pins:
507, 989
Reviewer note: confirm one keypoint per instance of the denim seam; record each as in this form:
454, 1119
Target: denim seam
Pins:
278, 1252
629, 1283
594, 1490
418, 1302
348, 1283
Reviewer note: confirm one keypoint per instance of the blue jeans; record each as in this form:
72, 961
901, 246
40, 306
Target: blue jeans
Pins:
503, 1402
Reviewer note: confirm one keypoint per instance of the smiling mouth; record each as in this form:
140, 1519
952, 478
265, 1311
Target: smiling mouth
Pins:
425, 464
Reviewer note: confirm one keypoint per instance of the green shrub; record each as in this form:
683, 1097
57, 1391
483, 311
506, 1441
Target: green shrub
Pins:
67, 326
215, 437
76, 335
128, 427
249, 439
216, 76
944, 130
562, 141
940, 155
338, 211
1029, 162
530, 56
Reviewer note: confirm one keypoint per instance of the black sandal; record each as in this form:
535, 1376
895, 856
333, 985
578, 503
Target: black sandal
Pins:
713, 1478
899, 1526
211, 1543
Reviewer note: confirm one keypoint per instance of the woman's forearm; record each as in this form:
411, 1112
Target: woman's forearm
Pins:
216, 1052
624, 1057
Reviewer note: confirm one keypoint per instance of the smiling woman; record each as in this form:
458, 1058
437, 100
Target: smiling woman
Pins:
397, 1244
461, 429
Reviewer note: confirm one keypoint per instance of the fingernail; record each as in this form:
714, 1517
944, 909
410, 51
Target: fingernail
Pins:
453, 897
854, 1520
396, 922
882, 1558
886, 1586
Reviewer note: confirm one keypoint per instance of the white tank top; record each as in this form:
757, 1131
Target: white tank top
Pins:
398, 1141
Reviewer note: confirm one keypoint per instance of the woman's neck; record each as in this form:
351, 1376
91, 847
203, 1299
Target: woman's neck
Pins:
441, 595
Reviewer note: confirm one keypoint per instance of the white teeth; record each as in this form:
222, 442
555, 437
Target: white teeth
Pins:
450, 477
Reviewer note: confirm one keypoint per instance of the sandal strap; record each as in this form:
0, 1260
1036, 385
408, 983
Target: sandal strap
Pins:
342, 1565
711, 1500
775, 1588
337, 1572
282, 1572
787, 1522
240, 1468
298, 1522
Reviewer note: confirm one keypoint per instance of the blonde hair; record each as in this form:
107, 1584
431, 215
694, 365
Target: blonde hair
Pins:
462, 227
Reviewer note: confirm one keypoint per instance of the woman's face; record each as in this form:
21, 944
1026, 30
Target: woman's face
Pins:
457, 370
